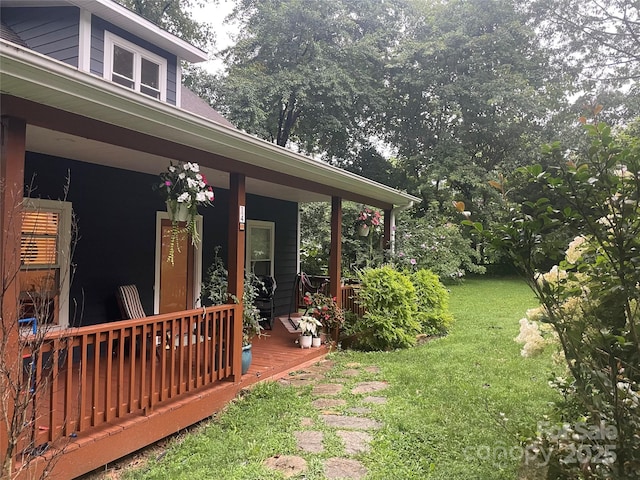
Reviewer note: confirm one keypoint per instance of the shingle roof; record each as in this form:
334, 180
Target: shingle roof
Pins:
194, 104
6, 33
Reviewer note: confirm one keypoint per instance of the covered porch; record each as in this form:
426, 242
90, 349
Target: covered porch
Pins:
111, 385
114, 388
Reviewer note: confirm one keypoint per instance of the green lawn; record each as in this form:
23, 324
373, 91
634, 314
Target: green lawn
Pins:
441, 417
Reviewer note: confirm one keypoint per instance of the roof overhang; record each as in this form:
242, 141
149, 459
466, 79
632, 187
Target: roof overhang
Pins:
126, 19
51, 95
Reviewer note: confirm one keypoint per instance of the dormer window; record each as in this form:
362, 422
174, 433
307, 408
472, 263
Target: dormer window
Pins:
133, 67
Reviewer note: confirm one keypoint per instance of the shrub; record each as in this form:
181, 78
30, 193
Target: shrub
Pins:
434, 245
389, 300
432, 301
590, 299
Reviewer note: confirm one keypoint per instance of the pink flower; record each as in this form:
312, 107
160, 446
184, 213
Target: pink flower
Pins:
413, 261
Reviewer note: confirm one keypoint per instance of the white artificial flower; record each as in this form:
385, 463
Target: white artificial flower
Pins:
201, 197
198, 176
182, 175
209, 195
184, 198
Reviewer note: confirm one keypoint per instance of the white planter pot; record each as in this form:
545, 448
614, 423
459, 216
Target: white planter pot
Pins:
181, 213
305, 341
316, 342
363, 230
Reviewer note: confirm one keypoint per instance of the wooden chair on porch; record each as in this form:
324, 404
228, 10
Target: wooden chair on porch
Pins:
131, 306
129, 302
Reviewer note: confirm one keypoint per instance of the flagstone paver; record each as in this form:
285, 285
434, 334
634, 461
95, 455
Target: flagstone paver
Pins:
369, 387
344, 468
306, 422
327, 389
357, 423
321, 403
355, 441
289, 465
375, 400
309, 441
353, 430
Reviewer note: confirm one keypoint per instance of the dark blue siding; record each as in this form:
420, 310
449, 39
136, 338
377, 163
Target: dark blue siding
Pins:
52, 31
285, 216
98, 27
116, 213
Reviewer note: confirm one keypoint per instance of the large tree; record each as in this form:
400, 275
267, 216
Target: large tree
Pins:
471, 91
175, 16
309, 72
602, 37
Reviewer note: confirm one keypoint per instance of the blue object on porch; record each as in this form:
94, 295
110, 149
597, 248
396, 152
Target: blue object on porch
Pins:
28, 360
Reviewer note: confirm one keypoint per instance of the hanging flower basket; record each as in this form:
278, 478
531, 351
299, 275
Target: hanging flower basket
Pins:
178, 212
184, 189
367, 220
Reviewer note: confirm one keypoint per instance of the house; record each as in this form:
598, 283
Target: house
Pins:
92, 110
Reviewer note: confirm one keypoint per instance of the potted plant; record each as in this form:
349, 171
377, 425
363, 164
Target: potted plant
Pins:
308, 327
214, 292
184, 189
325, 309
366, 220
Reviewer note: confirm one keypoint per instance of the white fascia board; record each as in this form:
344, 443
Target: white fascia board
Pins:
124, 18
29, 75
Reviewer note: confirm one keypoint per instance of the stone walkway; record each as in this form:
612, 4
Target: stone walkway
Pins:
351, 425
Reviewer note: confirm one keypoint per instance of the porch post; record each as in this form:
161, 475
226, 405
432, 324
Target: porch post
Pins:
388, 226
12, 152
335, 257
237, 201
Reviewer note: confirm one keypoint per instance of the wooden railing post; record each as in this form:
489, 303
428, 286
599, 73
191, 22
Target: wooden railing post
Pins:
237, 202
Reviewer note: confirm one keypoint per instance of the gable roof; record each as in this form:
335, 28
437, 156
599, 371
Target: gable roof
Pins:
124, 18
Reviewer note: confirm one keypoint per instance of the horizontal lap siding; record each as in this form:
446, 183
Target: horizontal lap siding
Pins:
285, 216
116, 214
51, 31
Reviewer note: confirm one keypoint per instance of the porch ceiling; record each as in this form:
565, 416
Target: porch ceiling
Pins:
81, 116
51, 142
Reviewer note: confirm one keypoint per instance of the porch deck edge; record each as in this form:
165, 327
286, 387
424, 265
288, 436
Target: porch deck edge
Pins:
120, 439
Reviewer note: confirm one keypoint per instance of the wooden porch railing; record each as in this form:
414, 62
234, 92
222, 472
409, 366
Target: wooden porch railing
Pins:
349, 297
94, 375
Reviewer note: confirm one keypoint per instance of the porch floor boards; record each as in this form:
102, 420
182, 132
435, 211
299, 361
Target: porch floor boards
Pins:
274, 355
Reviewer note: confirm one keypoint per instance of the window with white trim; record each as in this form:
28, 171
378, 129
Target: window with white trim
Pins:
131, 66
44, 261
260, 247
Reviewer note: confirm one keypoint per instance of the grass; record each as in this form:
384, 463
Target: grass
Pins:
442, 417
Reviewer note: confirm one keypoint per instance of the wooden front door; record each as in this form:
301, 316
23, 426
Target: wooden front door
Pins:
176, 280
